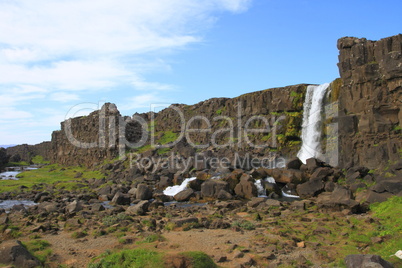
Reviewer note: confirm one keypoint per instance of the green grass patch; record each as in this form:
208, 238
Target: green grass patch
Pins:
168, 137
49, 174
246, 225
134, 258
39, 248
111, 220
38, 160
389, 213
152, 238
199, 259
18, 164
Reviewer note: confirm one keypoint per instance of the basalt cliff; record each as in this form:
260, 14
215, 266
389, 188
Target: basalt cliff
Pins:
364, 105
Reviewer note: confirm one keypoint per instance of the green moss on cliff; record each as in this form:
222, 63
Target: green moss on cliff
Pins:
335, 87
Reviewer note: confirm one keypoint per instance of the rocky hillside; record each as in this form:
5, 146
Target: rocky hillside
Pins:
231, 124
366, 104
26, 152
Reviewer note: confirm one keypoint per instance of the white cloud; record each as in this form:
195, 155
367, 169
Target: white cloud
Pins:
141, 101
61, 50
64, 97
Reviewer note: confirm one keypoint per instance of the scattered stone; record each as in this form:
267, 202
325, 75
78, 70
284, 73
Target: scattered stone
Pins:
139, 209
353, 261
220, 258
246, 187
143, 192
121, 199
294, 163
255, 201
74, 206
184, 195
237, 254
273, 203
182, 221
3, 219
301, 245
310, 189
15, 254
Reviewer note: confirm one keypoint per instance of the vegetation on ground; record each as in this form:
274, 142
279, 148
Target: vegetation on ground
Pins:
131, 258
39, 248
145, 258
62, 177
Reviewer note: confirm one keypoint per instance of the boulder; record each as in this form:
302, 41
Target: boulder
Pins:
232, 179
164, 182
289, 176
312, 164
15, 254
121, 199
373, 197
310, 188
97, 207
143, 192
211, 188
339, 199
224, 195
393, 186
294, 163
133, 191
74, 206
195, 184
139, 209
246, 188
366, 261
321, 173
184, 195
4, 219
48, 207
255, 201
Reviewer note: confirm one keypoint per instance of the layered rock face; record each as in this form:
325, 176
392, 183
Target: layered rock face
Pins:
370, 101
368, 122
250, 123
89, 140
25, 152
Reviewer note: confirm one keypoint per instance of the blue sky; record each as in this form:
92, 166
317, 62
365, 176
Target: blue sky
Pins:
63, 58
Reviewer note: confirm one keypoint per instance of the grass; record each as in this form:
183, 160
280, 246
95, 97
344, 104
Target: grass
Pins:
199, 259
145, 258
39, 248
38, 160
389, 213
111, 220
168, 137
135, 258
18, 164
152, 238
50, 174
246, 225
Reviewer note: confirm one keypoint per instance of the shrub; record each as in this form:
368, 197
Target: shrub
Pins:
199, 259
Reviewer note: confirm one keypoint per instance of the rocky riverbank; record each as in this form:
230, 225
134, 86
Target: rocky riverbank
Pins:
222, 216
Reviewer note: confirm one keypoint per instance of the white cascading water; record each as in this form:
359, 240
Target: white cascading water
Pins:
173, 190
311, 127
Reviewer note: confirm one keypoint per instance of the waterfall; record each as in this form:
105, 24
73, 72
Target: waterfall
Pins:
173, 190
311, 127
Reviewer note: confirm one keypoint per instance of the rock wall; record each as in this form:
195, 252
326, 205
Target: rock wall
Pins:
368, 122
370, 101
276, 110
25, 152
83, 140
